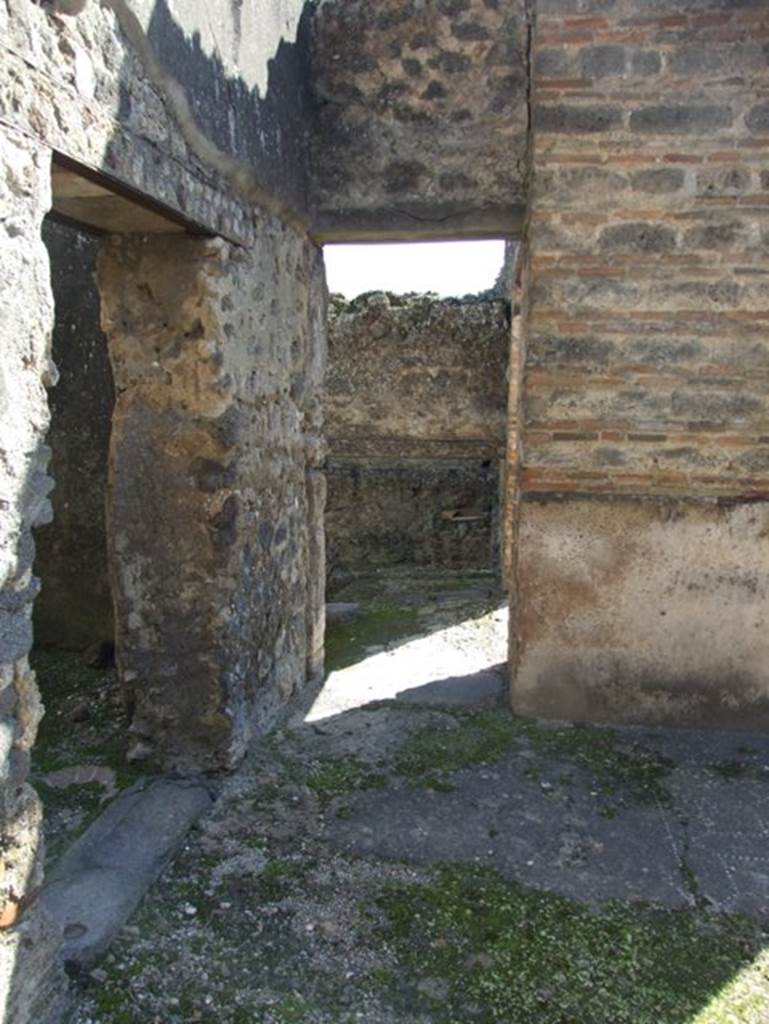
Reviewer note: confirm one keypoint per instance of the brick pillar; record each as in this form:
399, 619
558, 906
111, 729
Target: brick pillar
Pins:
643, 559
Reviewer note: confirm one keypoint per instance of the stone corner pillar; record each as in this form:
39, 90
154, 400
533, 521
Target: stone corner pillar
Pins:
210, 505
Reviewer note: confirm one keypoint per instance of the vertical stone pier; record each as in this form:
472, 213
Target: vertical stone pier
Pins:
213, 553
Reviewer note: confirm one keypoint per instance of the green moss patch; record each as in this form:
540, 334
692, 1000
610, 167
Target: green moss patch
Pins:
637, 773
734, 769
85, 723
378, 624
338, 776
501, 954
85, 720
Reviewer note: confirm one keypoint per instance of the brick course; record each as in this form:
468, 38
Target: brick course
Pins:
649, 249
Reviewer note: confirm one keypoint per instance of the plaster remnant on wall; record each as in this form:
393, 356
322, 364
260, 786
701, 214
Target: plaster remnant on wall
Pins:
595, 575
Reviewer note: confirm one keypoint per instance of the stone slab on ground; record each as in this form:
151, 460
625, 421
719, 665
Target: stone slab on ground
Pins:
554, 831
554, 838
98, 883
728, 840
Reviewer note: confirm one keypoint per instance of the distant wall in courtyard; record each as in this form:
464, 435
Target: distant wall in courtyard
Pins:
415, 421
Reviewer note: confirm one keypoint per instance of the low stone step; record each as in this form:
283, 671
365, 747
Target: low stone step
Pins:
99, 882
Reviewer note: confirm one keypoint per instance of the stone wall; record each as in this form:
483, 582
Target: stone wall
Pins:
643, 566
421, 117
217, 492
415, 417
638, 459
137, 91
359, 126
218, 364
31, 983
74, 608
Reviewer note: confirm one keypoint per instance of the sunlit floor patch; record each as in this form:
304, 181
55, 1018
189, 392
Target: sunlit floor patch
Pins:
744, 999
459, 663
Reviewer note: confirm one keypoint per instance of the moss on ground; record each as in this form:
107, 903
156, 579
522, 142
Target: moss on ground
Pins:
511, 955
379, 623
731, 770
292, 1009
338, 776
280, 877
430, 755
85, 722
66, 684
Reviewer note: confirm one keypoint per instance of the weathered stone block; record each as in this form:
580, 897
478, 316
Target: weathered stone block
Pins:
550, 62
600, 61
730, 181
645, 62
659, 180
695, 59
639, 237
717, 236
757, 119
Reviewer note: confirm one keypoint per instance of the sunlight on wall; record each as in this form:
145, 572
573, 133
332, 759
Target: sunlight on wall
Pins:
446, 268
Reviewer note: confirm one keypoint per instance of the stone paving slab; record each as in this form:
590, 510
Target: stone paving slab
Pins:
550, 839
711, 843
727, 826
100, 880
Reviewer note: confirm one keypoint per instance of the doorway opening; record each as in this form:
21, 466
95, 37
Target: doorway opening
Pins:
78, 761
415, 417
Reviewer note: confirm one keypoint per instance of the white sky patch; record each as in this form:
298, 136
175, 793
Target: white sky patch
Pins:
447, 268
